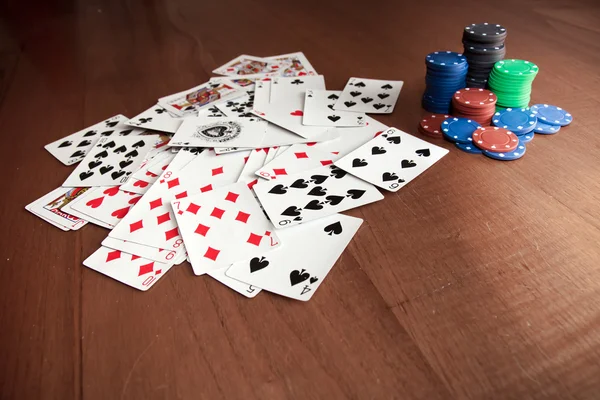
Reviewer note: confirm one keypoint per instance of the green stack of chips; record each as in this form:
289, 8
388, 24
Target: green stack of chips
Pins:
511, 81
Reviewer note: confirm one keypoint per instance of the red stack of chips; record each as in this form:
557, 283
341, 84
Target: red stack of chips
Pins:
430, 125
475, 104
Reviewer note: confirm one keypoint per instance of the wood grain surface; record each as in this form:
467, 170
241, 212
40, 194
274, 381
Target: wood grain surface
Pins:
479, 280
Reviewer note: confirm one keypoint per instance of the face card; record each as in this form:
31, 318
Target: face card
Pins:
132, 270
107, 204
318, 110
73, 148
152, 221
299, 64
111, 161
392, 159
238, 286
298, 158
223, 226
220, 132
298, 268
202, 96
151, 253
250, 65
313, 194
49, 207
369, 95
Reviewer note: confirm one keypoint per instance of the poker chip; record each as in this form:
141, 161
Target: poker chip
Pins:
511, 81
474, 103
468, 148
483, 47
459, 130
526, 138
517, 120
495, 139
546, 129
446, 73
552, 115
515, 154
430, 125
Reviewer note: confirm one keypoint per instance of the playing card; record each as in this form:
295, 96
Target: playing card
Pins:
73, 148
111, 161
299, 64
220, 132
250, 65
238, 107
318, 110
152, 222
392, 159
298, 268
142, 179
202, 96
156, 118
240, 287
223, 226
129, 269
350, 139
313, 194
149, 252
369, 95
49, 207
255, 161
299, 157
107, 204
282, 88
68, 208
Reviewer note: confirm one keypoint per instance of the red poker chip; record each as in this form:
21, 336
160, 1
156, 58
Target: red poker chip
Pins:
474, 97
495, 139
432, 123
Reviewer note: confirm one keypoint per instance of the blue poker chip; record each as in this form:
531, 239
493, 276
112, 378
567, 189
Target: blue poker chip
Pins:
469, 148
446, 59
552, 115
546, 129
526, 138
517, 120
459, 130
517, 153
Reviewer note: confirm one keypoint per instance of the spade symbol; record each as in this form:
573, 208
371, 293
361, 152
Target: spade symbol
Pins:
278, 189
333, 97
111, 124
106, 169
109, 144
377, 150
124, 164
132, 153
78, 153
65, 144
366, 100
89, 133
355, 93
386, 86
355, 193
138, 144
117, 174
313, 279
338, 173
106, 133
360, 84
383, 95
334, 200
423, 153
349, 104
256, 264
292, 211
125, 132
297, 277
357, 162
394, 139
408, 164
389, 176
314, 205
378, 106
102, 154
299, 184
94, 164
318, 179
84, 175
333, 118
120, 149
84, 143
330, 106
317, 191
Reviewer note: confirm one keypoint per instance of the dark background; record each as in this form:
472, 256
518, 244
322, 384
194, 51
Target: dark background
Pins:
479, 280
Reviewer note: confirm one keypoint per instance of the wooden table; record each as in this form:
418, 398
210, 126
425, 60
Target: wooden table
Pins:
479, 280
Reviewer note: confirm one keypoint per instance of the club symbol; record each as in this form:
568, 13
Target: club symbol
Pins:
297, 82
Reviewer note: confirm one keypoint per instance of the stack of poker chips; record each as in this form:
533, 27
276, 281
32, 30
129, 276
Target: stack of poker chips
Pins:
476, 104
511, 81
446, 73
430, 125
519, 121
484, 46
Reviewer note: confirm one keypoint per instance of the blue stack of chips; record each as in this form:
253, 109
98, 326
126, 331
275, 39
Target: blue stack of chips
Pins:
446, 73
520, 121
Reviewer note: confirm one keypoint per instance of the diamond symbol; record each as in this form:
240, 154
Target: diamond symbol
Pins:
217, 213
173, 182
193, 208
326, 162
134, 257
212, 253
254, 239
251, 184
301, 155
279, 171
170, 234
181, 195
146, 268
242, 217
163, 218
113, 255
135, 226
217, 171
232, 197
202, 229
206, 188
155, 203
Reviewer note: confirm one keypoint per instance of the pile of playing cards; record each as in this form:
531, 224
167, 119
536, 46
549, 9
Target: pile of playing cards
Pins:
244, 176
